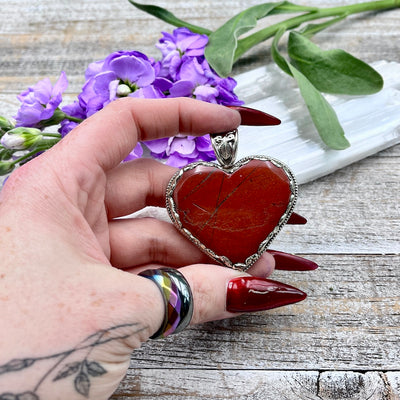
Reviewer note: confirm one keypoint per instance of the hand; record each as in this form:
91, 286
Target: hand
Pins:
70, 318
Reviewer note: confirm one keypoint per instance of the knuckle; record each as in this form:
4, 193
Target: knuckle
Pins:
204, 298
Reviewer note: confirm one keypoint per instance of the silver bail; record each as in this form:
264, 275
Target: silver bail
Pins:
225, 147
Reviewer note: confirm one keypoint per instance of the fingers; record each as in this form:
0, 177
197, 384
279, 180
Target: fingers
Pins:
136, 184
133, 243
220, 292
217, 293
108, 136
147, 240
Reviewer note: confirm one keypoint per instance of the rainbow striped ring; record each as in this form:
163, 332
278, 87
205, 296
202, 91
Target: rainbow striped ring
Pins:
178, 300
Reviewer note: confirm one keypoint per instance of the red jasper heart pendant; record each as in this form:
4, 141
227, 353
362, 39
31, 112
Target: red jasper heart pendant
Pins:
232, 213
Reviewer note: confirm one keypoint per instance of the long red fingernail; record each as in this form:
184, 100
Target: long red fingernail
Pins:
296, 219
249, 293
290, 262
251, 116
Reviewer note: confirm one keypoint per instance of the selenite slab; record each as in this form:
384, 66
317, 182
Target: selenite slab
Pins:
371, 123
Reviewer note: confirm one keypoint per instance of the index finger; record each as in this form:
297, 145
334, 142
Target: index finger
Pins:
108, 136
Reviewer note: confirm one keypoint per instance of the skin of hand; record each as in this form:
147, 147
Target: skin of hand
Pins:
72, 306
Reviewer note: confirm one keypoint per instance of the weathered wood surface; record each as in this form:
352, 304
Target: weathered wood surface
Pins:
343, 341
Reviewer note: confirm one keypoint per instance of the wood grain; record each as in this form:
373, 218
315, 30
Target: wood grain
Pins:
50, 36
192, 384
342, 342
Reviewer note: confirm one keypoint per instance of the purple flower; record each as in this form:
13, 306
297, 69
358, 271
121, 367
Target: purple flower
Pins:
40, 102
176, 46
181, 150
184, 72
137, 152
197, 80
121, 74
72, 110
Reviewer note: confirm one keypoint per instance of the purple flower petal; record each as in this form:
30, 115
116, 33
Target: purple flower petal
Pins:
148, 92
158, 146
101, 83
61, 85
131, 68
183, 145
203, 143
93, 69
66, 127
192, 70
134, 70
162, 84
206, 93
40, 101
182, 89
178, 46
137, 152
43, 91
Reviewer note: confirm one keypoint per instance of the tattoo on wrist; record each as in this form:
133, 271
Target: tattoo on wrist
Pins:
80, 371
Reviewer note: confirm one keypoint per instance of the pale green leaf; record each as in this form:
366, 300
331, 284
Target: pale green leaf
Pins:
223, 42
321, 112
168, 17
332, 71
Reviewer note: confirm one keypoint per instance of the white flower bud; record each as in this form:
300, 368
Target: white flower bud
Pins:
21, 138
14, 142
123, 90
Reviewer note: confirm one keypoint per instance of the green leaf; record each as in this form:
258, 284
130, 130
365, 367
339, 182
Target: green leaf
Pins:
168, 17
276, 55
311, 29
288, 7
332, 71
321, 112
222, 44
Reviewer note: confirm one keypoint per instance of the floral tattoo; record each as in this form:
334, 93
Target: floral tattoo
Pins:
81, 371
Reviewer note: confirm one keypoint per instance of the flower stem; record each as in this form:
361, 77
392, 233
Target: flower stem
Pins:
266, 33
45, 145
73, 119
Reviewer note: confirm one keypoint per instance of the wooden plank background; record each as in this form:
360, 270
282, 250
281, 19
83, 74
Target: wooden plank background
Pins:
343, 341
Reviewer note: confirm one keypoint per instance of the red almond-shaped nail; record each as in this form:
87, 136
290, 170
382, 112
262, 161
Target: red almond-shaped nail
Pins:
290, 262
249, 294
296, 219
251, 116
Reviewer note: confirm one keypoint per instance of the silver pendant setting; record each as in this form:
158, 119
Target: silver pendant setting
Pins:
199, 195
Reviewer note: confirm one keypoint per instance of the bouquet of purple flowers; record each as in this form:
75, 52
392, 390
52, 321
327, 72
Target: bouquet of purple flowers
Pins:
182, 71
196, 63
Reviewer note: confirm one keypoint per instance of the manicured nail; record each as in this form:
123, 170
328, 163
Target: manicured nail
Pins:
251, 116
248, 294
296, 219
290, 262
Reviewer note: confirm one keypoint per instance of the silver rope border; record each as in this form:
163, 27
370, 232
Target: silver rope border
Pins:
174, 216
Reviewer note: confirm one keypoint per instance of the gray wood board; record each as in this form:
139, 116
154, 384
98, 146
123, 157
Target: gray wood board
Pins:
340, 343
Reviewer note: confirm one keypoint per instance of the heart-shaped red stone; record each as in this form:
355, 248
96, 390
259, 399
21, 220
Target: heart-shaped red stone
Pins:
234, 213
